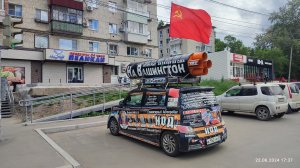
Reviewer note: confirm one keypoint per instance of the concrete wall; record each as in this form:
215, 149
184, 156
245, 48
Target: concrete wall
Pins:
19, 63
220, 66
93, 74
55, 71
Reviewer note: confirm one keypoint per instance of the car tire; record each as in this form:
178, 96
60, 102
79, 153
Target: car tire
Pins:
230, 112
169, 144
114, 127
290, 110
262, 113
279, 115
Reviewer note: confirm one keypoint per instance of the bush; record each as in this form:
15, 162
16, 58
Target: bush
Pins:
220, 85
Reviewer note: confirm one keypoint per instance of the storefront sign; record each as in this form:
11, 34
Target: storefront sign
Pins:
238, 58
74, 56
259, 62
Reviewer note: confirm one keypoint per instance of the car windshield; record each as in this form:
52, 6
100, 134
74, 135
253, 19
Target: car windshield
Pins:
271, 90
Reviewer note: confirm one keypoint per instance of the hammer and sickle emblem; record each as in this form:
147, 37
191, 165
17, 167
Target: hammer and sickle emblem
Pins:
178, 14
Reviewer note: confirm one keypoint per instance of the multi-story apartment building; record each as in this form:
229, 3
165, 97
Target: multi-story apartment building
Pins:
80, 41
176, 46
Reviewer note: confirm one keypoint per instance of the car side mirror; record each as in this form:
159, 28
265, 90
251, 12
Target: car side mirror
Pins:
121, 103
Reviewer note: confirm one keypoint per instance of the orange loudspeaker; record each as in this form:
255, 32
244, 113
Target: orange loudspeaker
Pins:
198, 65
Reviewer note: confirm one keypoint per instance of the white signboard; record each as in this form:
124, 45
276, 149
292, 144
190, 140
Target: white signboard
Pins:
76, 56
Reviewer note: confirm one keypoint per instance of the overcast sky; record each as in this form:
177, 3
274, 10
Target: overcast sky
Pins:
251, 24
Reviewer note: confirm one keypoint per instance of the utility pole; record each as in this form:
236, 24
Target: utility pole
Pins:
290, 66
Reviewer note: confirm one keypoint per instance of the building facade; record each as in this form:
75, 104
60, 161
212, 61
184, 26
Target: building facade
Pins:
176, 46
80, 41
242, 68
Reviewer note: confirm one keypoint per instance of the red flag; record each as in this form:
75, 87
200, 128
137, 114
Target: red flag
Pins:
189, 23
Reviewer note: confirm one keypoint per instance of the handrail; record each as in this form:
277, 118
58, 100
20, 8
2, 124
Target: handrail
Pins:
66, 96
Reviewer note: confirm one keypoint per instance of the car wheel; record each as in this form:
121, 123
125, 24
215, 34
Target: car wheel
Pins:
263, 113
114, 127
279, 115
230, 112
290, 109
169, 144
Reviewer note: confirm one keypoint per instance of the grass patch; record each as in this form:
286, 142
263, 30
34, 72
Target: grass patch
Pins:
220, 85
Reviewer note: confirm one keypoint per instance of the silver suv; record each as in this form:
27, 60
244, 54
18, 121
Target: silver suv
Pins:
265, 100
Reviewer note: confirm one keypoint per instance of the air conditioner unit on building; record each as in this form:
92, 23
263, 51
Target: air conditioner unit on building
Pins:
85, 24
89, 8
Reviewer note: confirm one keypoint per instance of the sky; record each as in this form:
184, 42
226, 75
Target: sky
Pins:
230, 21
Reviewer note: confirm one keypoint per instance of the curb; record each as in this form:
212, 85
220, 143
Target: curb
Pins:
43, 131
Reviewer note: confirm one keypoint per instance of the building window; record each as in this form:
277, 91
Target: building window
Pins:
15, 10
67, 44
167, 51
161, 51
198, 48
148, 52
75, 74
175, 49
68, 15
168, 31
133, 51
94, 46
149, 35
161, 34
114, 70
136, 7
112, 6
93, 24
167, 40
138, 28
113, 49
160, 43
41, 15
112, 28
40, 41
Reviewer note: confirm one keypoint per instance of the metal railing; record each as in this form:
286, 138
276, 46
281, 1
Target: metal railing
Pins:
40, 107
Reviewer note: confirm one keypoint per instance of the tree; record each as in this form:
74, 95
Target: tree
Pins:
161, 23
220, 45
283, 34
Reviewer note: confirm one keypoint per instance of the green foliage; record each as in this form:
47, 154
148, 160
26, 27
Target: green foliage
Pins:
220, 45
236, 46
220, 86
161, 23
284, 33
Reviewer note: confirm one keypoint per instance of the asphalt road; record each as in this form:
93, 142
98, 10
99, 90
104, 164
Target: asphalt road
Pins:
250, 143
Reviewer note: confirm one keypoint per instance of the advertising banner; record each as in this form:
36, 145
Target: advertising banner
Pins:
13, 74
76, 56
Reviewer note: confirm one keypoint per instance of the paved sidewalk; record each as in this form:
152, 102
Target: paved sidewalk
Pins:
22, 146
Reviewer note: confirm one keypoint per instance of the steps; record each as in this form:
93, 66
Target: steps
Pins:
5, 109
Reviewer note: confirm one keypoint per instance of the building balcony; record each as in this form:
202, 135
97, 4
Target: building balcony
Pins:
67, 3
136, 38
66, 28
136, 16
175, 41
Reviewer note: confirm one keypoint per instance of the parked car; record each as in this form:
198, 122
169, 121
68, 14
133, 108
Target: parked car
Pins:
265, 100
178, 119
291, 91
